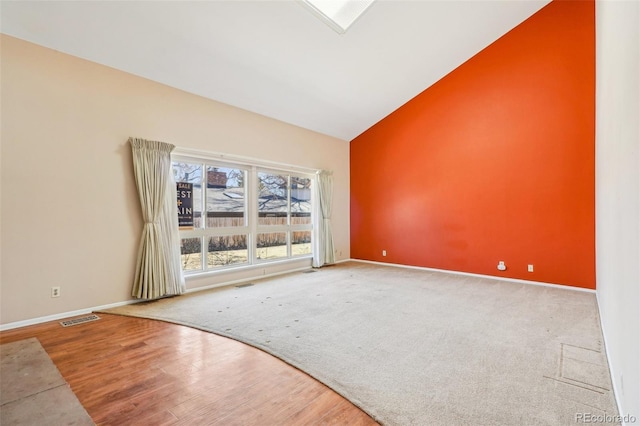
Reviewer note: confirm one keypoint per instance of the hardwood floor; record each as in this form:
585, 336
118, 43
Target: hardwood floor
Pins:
133, 371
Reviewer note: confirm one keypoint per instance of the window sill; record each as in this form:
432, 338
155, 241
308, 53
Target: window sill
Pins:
260, 265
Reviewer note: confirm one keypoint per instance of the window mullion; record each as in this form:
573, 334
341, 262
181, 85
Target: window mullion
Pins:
252, 215
266, 229
192, 233
289, 236
217, 232
203, 208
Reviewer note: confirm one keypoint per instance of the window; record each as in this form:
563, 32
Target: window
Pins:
338, 14
284, 215
233, 215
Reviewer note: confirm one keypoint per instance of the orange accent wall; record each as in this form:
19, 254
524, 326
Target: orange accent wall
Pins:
496, 161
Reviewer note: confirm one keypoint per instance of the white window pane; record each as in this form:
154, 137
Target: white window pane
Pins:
300, 201
191, 254
227, 250
272, 199
226, 197
272, 245
300, 243
191, 173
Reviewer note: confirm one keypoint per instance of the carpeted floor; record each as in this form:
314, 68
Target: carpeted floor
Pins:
413, 347
32, 391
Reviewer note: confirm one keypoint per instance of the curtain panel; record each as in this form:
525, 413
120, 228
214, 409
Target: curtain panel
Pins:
324, 252
158, 272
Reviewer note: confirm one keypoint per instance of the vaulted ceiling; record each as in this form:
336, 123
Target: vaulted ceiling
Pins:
276, 58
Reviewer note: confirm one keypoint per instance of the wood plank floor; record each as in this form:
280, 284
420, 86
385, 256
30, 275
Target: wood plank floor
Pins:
133, 371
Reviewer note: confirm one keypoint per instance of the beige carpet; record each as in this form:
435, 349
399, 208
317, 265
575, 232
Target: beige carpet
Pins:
414, 347
32, 391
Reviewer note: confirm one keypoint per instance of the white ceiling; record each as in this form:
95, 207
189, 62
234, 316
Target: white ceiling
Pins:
275, 57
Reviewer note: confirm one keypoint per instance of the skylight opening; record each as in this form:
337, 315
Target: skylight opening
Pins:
338, 14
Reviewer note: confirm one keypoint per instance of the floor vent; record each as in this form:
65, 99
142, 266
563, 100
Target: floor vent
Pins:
244, 285
81, 320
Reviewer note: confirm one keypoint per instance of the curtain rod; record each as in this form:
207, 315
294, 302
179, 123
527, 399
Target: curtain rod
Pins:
230, 158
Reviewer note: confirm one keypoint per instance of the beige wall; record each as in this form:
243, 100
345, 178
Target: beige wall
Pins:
70, 213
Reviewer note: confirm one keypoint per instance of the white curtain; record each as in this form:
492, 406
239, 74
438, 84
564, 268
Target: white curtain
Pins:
324, 251
158, 270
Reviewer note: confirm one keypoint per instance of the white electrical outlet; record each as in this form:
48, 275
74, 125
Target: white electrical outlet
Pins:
55, 291
384, 252
530, 268
501, 266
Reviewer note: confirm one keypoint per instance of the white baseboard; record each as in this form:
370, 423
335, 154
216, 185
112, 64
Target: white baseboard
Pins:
611, 368
492, 277
62, 315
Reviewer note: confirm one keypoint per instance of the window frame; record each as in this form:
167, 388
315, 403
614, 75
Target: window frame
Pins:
251, 227
289, 228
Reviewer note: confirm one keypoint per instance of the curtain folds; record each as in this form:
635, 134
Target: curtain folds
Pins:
324, 250
158, 272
